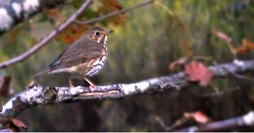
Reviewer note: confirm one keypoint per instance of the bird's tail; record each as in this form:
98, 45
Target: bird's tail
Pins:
47, 71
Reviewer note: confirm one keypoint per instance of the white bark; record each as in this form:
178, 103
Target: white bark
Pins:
36, 94
14, 11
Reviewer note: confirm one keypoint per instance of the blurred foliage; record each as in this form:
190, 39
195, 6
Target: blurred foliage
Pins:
144, 43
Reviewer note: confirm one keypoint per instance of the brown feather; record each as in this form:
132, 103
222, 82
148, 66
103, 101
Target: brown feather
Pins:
43, 73
76, 57
78, 53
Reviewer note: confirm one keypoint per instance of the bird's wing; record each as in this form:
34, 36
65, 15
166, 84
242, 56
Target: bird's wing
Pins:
56, 61
77, 54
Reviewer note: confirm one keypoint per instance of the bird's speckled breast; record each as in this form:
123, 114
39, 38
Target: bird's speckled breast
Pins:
95, 65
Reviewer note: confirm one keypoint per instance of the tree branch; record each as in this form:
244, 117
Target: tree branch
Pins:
38, 95
245, 120
113, 13
47, 39
51, 36
13, 12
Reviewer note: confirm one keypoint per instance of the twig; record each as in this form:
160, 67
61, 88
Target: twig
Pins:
48, 38
163, 125
113, 13
218, 94
165, 8
237, 62
245, 120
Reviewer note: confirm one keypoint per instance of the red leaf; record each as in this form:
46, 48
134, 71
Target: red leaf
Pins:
18, 123
197, 72
207, 77
223, 36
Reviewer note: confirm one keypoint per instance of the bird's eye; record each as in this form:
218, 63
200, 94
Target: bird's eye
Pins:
97, 33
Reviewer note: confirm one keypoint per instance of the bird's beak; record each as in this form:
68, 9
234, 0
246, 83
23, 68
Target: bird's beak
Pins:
110, 31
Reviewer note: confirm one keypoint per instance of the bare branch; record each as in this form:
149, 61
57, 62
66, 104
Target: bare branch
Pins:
35, 94
51, 36
114, 13
47, 39
238, 75
245, 120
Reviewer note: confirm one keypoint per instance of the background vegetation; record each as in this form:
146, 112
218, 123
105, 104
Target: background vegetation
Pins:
144, 44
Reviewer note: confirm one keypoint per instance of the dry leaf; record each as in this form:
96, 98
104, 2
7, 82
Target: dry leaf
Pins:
245, 47
54, 14
72, 33
18, 123
109, 6
15, 125
198, 116
179, 62
223, 36
197, 72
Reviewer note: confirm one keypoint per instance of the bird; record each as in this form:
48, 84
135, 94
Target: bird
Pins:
85, 57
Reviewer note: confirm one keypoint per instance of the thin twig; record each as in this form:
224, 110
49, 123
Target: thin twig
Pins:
162, 124
218, 94
232, 73
47, 39
235, 74
113, 13
241, 121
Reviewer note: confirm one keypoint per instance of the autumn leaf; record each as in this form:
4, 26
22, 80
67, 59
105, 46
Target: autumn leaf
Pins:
18, 123
245, 47
198, 116
197, 72
54, 14
179, 62
109, 6
15, 125
72, 33
223, 36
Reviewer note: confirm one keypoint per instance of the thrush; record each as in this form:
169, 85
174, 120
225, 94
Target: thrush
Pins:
84, 57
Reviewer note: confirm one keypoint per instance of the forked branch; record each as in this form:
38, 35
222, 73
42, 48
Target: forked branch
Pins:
60, 28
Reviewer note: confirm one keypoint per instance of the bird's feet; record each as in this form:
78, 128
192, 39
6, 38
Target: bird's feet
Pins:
92, 86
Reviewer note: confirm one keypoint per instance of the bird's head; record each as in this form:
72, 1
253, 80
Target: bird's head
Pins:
98, 34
